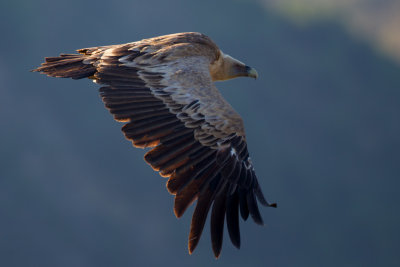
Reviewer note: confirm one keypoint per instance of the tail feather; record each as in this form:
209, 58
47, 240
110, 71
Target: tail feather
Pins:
67, 66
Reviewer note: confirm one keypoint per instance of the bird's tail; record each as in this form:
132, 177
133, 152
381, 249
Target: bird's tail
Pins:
67, 66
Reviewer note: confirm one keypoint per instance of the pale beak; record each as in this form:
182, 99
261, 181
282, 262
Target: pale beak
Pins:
251, 72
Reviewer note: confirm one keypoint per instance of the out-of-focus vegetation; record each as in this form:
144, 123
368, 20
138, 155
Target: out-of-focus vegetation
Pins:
375, 20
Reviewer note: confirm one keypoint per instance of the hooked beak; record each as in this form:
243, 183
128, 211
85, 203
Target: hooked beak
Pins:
251, 72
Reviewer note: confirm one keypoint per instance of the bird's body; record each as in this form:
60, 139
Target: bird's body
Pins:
163, 88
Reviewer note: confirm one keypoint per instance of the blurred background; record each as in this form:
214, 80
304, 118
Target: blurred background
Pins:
322, 123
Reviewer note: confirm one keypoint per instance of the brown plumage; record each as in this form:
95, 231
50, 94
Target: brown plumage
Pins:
163, 89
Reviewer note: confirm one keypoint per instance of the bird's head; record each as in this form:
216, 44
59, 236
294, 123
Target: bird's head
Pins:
226, 67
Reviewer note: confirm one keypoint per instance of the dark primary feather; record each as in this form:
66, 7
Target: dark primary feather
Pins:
232, 218
200, 167
199, 217
217, 221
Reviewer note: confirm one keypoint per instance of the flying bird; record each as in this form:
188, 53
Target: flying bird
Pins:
163, 89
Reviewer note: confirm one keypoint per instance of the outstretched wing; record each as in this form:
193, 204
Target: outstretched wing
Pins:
198, 140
